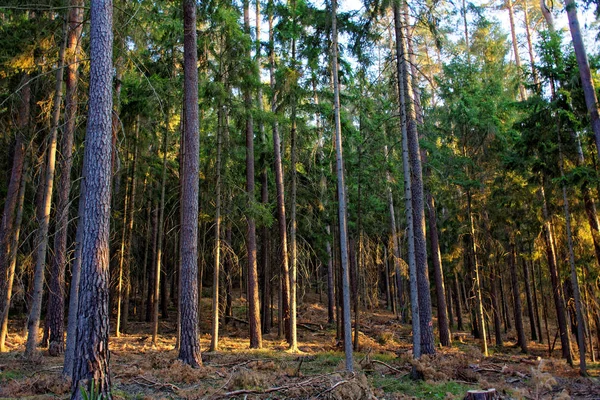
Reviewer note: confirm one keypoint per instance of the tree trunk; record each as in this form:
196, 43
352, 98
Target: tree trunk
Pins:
119, 299
253, 300
529, 299
330, 285
534, 74
511, 18
214, 342
536, 305
496, 309
92, 354
189, 348
521, 340
554, 278
477, 281
129, 244
281, 217
10, 256
161, 226
416, 182
587, 84
458, 303
56, 301
574, 278
33, 321
341, 192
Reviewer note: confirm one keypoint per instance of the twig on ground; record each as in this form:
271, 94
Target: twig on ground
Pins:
389, 366
152, 383
330, 389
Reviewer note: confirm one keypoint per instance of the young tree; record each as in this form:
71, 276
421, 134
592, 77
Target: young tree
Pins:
92, 355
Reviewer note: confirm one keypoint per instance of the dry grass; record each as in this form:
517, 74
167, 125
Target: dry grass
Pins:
141, 371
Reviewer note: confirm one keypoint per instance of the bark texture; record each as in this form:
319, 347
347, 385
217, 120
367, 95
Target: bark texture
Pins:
92, 355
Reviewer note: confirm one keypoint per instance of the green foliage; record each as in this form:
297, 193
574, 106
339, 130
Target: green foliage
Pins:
419, 389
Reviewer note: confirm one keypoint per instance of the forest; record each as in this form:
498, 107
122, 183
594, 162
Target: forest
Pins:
299, 199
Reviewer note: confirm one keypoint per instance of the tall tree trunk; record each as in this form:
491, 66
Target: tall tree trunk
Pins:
150, 299
574, 278
293, 223
10, 256
536, 304
189, 348
518, 310
161, 228
281, 217
264, 187
555, 280
253, 300
534, 74
458, 303
341, 192
121, 262
477, 281
511, 18
587, 84
56, 301
330, 285
33, 321
496, 309
416, 182
214, 342
129, 244
529, 299
92, 355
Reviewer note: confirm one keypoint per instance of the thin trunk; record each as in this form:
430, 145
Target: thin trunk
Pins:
529, 299
189, 346
56, 309
534, 74
293, 220
477, 281
161, 227
11, 256
554, 278
511, 18
330, 285
121, 261
518, 311
92, 355
574, 278
536, 305
587, 84
281, 217
341, 192
496, 310
128, 258
214, 342
33, 321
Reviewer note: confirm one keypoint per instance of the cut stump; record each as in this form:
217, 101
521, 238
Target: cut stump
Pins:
488, 394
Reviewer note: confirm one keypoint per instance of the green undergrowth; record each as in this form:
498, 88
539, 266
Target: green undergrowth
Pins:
418, 389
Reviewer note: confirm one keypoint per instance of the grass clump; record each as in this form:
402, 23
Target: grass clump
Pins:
420, 389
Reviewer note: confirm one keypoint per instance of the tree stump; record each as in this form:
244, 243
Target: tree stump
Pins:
488, 394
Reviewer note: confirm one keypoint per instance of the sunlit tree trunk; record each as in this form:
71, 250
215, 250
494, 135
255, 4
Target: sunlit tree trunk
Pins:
341, 192
587, 84
511, 18
189, 346
281, 217
33, 321
518, 310
92, 355
416, 182
252, 287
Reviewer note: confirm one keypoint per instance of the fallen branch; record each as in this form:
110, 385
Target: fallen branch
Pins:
330, 389
155, 384
308, 328
389, 366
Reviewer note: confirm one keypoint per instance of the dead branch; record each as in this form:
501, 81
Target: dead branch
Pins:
389, 366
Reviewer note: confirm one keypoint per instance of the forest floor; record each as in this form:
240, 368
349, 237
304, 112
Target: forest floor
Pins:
382, 365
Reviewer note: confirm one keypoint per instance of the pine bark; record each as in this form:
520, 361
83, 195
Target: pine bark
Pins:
511, 18
529, 299
416, 182
92, 355
189, 346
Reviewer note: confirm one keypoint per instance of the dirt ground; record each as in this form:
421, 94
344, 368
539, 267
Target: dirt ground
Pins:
382, 365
